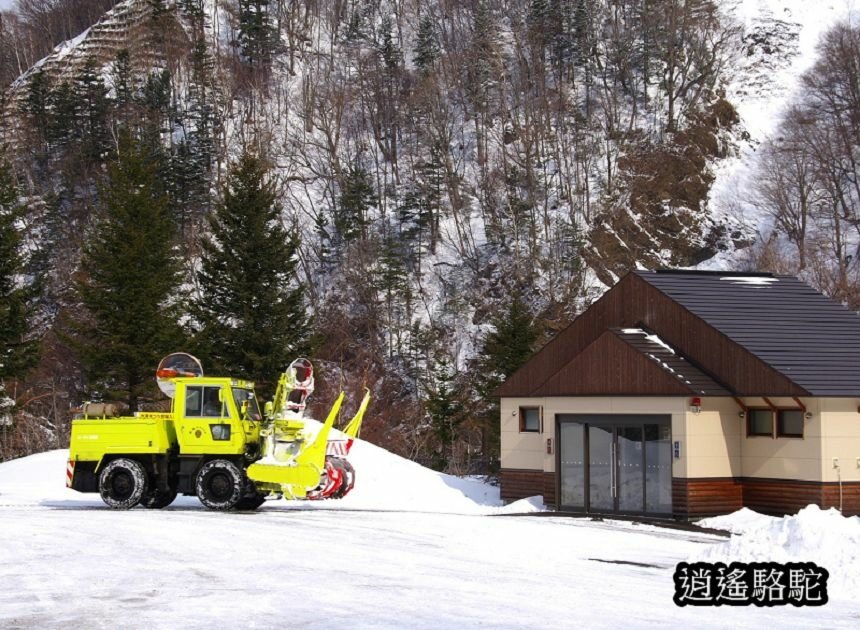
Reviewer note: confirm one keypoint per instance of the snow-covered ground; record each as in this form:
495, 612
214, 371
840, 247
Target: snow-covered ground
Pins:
408, 549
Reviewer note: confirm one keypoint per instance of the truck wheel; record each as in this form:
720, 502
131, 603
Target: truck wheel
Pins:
157, 498
122, 483
219, 484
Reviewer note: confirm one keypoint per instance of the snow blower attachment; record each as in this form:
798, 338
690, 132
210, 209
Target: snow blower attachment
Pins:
215, 444
295, 456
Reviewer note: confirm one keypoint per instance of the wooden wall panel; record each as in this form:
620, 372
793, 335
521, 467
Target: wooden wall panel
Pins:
780, 497
549, 483
520, 484
850, 497
695, 498
698, 498
611, 366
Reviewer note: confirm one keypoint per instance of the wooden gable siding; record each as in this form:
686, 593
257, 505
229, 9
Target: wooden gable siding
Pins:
609, 365
632, 303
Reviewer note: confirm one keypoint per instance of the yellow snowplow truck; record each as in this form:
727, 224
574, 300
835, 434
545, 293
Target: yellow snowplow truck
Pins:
215, 443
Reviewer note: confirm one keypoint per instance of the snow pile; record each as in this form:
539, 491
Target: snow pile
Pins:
384, 482
824, 537
738, 522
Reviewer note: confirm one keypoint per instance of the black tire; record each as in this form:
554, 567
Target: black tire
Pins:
157, 498
122, 483
219, 484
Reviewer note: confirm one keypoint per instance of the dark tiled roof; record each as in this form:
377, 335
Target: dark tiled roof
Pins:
671, 360
806, 336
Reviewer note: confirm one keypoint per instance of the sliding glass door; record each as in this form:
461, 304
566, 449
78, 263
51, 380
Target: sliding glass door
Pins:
609, 463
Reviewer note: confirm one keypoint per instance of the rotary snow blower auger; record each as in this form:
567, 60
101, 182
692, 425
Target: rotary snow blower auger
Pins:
214, 443
292, 451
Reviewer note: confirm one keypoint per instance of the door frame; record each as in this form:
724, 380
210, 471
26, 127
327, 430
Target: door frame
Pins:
611, 421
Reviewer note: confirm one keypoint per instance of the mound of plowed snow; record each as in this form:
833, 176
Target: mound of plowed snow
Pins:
384, 481
824, 537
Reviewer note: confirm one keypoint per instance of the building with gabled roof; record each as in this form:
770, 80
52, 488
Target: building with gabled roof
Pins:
686, 394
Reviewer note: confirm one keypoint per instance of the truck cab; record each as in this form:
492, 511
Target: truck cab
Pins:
217, 416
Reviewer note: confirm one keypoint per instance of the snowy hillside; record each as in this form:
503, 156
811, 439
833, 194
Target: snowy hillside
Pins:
778, 43
383, 558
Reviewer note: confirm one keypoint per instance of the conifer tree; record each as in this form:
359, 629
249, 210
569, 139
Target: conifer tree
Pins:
63, 107
446, 413
504, 351
91, 112
16, 353
356, 199
388, 49
130, 279
36, 107
250, 313
426, 45
122, 79
257, 35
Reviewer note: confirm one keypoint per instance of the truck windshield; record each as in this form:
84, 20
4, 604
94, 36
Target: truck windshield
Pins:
240, 396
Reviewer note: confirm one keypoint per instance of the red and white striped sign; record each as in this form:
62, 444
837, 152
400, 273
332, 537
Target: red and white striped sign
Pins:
70, 473
337, 448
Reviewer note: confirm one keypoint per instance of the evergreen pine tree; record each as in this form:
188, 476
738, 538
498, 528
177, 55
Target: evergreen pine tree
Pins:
130, 279
356, 198
37, 107
250, 312
257, 35
154, 100
91, 112
122, 78
445, 410
426, 45
63, 107
16, 353
504, 351
388, 49
582, 31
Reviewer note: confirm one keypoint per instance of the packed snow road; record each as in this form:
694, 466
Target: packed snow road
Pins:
68, 561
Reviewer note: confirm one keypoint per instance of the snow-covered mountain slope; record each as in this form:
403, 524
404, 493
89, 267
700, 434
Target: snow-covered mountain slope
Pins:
67, 560
778, 40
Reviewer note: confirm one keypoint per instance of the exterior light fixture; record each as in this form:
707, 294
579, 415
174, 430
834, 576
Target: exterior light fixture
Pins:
696, 404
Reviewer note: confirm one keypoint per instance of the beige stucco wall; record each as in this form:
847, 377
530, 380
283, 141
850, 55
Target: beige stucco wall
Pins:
784, 457
713, 442
528, 450
520, 450
840, 423
710, 440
